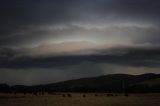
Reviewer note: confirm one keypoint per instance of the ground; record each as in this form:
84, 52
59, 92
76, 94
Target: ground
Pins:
79, 99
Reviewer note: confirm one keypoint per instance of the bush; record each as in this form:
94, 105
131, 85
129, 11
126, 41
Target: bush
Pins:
96, 94
84, 95
69, 95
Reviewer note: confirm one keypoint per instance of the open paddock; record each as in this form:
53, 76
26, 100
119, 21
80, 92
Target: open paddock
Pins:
80, 99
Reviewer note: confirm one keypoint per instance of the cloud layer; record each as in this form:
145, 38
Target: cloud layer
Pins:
72, 53
61, 36
30, 23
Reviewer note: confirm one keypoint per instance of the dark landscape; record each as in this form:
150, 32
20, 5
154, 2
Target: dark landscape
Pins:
79, 52
114, 83
108, 90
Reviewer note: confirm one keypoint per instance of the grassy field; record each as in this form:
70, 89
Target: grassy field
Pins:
80, 99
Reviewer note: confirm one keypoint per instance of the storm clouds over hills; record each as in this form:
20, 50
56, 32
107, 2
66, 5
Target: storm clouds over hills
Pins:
55, 40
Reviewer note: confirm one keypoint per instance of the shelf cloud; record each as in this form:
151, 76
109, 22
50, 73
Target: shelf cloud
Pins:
48, 35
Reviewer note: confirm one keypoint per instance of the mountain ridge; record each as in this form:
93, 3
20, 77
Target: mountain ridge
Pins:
104, 83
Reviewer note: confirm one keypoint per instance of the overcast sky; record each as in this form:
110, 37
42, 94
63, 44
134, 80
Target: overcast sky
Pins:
45, 41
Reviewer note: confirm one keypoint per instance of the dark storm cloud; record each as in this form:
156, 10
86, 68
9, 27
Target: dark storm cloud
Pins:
149, 57
44, 41
17, 15
21, 20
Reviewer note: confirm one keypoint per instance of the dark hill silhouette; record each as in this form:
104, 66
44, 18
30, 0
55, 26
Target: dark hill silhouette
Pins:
107, 83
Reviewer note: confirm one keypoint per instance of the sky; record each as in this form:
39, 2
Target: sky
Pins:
47, 41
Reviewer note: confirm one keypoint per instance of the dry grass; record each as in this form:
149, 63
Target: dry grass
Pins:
77, 99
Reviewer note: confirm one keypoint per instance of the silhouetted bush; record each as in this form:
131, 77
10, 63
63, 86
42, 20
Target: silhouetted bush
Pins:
126, 94
24, 93
5, 88
96, 94
35, 93
69, 95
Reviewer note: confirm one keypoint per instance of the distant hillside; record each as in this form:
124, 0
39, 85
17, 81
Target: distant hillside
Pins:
152, 82
107, 83
150, 85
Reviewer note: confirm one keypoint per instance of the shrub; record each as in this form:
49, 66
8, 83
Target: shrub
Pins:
83, 95
69, 95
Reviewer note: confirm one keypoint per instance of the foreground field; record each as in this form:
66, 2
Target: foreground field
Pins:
78, 99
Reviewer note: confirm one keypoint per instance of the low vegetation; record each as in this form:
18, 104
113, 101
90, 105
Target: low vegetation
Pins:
80, 99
